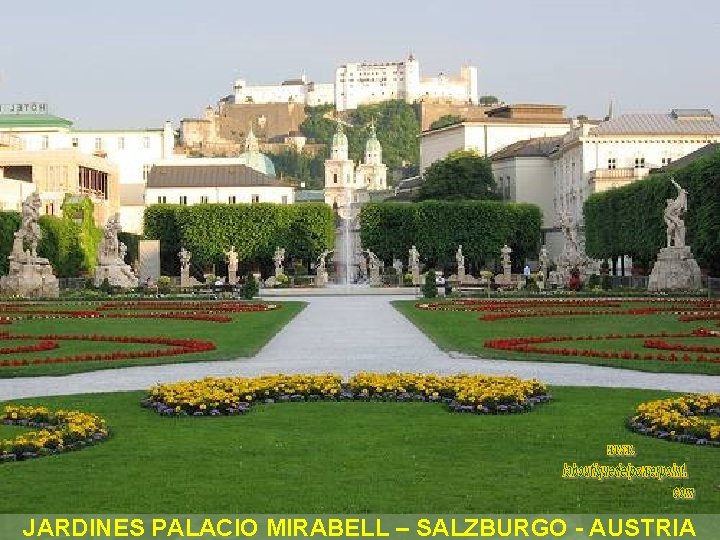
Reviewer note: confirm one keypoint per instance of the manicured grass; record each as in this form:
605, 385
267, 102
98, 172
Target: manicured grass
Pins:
243, 337
359, 458
462, 331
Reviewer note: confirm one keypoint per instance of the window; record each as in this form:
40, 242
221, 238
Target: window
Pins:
45, 142
183, 200
255, 198
74, 142
612, 163
121, 143
203, 199
284, 199
639, 162
162, 199
231, 199
146, 142
146, 172
666, 160
335, 178
98, 144
50, 209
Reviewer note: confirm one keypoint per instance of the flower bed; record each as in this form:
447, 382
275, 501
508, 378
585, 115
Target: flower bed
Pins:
174, 347
479, 394
693, 419
533, 344
58, 431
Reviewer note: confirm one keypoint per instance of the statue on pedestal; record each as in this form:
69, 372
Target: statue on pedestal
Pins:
414, 265
29, 275
676, 267
278, 258
460, 259
321, 274
232, 260
506, 277
111, 253
375, 265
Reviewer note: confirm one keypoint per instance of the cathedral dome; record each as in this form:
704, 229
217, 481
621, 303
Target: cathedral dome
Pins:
339, 138
253, 158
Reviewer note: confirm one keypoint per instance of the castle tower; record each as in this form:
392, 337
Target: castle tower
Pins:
339, 171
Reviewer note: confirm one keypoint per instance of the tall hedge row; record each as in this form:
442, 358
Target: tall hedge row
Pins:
61, 243
208, 231
437, 227
629, 220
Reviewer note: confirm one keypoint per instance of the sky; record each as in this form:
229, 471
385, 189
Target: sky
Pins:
136, 64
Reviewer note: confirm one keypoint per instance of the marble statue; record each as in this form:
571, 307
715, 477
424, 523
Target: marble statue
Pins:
572, 256
362, 267
414, 265
29, 275
544, 260
505, 279
232, 261
676, 267
186, 280
674, 211
375, 266
278, 258
110, 259
398, 266
460, 259
321, 274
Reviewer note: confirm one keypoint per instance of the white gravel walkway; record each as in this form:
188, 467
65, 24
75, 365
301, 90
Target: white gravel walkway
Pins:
346, 334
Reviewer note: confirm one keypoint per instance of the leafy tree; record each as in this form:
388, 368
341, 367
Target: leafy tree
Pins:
301, 166
250, 288
462, 175
429, 288
446, 120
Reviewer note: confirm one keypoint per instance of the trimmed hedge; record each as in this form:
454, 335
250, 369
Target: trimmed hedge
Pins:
61, 243
208, 231
437, 227
629, 220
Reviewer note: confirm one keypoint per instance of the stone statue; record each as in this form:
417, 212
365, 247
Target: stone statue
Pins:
460, 259
572, 256
374, 264
414, 265
505, 278
505, 255
278, 258
398, 266
28, 274
674, 211
111, 253
185, 257
544, 259
676, 268
232, 260
321, 275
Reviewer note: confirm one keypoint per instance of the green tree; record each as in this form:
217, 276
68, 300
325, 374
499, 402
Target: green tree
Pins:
488, 101
446, 120
462, 175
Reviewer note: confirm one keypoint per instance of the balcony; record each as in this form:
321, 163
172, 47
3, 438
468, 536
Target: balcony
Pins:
610, 178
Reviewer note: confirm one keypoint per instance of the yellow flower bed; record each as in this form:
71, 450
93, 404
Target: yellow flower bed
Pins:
235, 395
58, 431
686, 419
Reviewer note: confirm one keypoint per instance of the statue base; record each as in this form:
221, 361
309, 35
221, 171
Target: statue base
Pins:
32, 278
321, 279
676, 270
118, 275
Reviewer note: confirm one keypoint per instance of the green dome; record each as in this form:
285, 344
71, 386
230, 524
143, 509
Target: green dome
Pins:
339, 139
258, 161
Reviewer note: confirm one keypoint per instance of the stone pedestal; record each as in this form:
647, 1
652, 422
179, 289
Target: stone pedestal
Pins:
675, 269
416, 280
186, 280
232, 276
31, 277
321, 278
118, 275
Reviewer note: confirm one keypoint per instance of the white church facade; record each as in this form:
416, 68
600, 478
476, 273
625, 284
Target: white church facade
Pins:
347, 183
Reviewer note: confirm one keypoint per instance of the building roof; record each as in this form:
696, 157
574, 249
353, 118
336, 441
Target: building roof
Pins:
677, 122
537, 147
310, 195
33, 120
192, 176
689, 158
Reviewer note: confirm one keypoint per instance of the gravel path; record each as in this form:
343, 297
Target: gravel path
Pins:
346, 334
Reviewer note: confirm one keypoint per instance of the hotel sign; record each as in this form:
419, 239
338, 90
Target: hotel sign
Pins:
24, 108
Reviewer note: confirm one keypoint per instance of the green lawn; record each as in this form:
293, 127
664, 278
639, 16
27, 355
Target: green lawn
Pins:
243, 337
462, 331
359, 458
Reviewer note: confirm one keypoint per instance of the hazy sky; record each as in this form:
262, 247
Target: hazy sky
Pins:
133, 63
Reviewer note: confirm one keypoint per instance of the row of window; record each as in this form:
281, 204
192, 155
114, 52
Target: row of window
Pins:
204, 199
99, 143
706, 141
639, 162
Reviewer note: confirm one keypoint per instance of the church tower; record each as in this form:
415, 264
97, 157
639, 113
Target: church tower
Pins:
339, 171
372, 173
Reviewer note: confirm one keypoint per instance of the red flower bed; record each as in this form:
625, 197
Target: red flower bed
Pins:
531, 345
175, 346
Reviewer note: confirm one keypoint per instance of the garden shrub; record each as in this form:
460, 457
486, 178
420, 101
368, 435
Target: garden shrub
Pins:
429, 288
